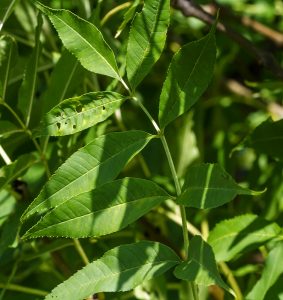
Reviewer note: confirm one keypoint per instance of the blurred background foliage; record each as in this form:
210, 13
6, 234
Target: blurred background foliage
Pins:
243, 93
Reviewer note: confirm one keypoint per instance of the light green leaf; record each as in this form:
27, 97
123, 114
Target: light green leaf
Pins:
208, 185
268, 138
147, 39
87, 215
78, 113
188, 76
272, 270
232, 237
84, 40
120, 269
65, 77
200, 267
27, 89
95, 164
16, 168
6, 7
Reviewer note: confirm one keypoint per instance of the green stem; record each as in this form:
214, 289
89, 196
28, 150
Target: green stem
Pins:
14, 270
81, 251
23, 289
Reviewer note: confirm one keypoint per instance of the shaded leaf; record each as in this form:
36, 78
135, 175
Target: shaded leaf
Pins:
188, 76
87, 215
268, 138
208, 185
84, 40
7, 127
272, 270
231, 237
78, 113
147, 39
98, 162
27, 89
6, 7
200, 267
15, 169
64, 78
120, 269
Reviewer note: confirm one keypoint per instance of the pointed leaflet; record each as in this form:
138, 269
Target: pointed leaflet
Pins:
120, 269
98, 162
27, 90
208, 186
147, 39
6, 7
78, 113
188, 76
84, 40
268, 138
241, 234
201, 266
122, 201
273, 268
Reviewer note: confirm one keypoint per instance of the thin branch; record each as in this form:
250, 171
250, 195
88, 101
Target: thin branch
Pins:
266, 59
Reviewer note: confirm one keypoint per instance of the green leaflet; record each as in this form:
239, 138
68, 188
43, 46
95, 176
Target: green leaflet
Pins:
16, 168
201, 266
241, 234
98, 162
208, 186
7, 128
120, 269
65, 77
147, 39
78, 113
84, 40
27, 90
272, 270
87, 215
268, 138
6, 7
188, 76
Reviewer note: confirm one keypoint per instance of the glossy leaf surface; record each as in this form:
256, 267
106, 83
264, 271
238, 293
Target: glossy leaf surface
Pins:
78, 113
147, 39
208, 185
120, 269
188, 76
84, 40
98, 162
231, 237
201, 266
107, 209
273, 268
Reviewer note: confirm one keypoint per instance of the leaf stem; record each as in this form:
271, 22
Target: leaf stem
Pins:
114, 11
5, 156
81, 251
23, 289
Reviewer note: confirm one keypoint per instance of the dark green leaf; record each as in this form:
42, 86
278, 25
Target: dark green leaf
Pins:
188, 76
7, 128
120, 269
27, 90
268, 138
208, 185
272, 270
241, 234
122, 201
78, 113
6, 7
84, 40
16, 168
98, 162
147, 39
200, 267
